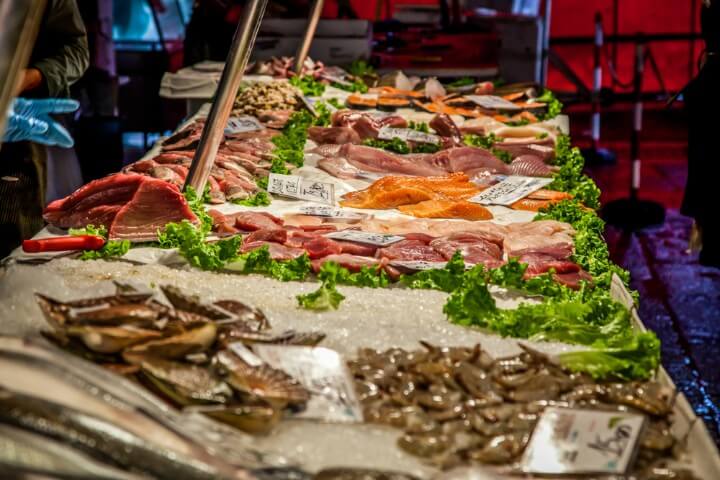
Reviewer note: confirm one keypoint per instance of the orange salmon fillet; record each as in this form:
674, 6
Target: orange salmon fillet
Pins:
447, 209
392, 191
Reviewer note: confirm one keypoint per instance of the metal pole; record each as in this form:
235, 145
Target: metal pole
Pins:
304, 48
637, 119
237, 60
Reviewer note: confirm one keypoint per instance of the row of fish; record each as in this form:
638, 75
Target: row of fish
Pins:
543, 246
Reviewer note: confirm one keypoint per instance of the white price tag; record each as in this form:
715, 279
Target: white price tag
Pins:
492, 102
301, 188
573, 441
510, 190
407, 134
418, 265
324, 374
245, 123
330, 212
378, 239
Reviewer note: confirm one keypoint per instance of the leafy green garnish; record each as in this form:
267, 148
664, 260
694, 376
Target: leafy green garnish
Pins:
99, 231
308, 85
357, 85
487, 142
482, 141
259, 261
327, 296
111, 249
360, 68
396, 145
260, 199
554, 106
335, 103
542, 136
570, 178
591, 251
191, 244
461, 82
419, 126
197, 205
445, 279
583, 317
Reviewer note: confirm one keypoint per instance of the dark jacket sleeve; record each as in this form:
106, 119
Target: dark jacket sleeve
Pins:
61, 52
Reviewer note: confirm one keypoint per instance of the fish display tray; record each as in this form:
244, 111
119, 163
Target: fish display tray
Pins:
375, 318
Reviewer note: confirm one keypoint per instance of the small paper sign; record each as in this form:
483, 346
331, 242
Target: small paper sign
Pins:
510, 190
245, 123
301, 188
492, 102
407, 134
420, 265
574, 441
324, 374
378, 239
330, 212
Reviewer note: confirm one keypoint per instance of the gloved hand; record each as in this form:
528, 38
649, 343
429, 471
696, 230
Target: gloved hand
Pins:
30, 120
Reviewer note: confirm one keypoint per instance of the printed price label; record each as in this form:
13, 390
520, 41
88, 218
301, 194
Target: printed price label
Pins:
301, 188
309, 104
572, 441
324, 374
407, 134
378, 239
420, 265
243, 124
510, 190
330, 212
492, 102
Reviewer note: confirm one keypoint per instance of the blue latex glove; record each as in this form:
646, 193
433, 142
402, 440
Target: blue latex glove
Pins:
30, 120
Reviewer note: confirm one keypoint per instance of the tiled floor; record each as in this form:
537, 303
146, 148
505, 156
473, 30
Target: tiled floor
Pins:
679, 299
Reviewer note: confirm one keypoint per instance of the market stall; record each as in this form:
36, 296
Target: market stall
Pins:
358, 276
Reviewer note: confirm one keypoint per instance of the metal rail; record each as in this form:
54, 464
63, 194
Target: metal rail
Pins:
304, 47
233, 71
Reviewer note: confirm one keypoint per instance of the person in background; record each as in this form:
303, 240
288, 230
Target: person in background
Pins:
702, 100
59, 58
209, 33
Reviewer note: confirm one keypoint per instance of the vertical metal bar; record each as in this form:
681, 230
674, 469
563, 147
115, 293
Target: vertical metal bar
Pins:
304, 47
546, 42
237, 60
637, 118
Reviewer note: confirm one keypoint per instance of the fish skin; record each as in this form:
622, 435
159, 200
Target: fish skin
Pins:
99, 438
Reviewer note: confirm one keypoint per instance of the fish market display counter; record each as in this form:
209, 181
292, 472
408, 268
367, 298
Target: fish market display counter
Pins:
347, 335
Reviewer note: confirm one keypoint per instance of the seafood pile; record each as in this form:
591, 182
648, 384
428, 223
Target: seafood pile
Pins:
183, 349
263, 96
458, 406
284, 67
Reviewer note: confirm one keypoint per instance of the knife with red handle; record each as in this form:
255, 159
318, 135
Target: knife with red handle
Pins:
59, 244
